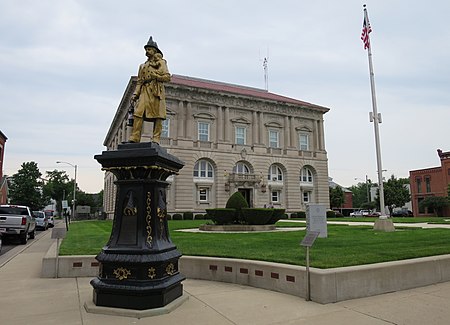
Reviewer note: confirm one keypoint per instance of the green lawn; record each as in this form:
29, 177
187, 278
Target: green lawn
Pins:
345, 245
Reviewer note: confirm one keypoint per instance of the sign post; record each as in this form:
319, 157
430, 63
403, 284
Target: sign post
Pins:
65, 206
307, 242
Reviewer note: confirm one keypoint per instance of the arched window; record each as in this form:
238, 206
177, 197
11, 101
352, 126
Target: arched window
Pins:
203, 169
306, 175
241, 168
275, 174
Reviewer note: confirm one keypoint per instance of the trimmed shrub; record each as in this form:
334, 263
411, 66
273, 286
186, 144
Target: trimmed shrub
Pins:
237, 202
199, 216
222, 216
277, 215
256, 216
188, 216
331, 214
168, 217
177, 216
301, 214
209, 213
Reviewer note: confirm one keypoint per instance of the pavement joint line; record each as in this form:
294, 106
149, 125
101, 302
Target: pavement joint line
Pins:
79, 302
218, 312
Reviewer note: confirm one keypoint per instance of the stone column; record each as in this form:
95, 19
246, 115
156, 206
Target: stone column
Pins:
227, 124
220, 124
189, 121
287, 138
181, 119
255, 129
261, 128
292, 129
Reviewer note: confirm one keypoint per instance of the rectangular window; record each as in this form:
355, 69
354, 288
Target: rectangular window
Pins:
428, 184
203, 131
274, 139
419, 185
306, 197
240, 134
165, 128
304, 141
275, 196
203, 194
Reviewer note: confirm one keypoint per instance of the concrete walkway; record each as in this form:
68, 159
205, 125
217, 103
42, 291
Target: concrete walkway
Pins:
28, 299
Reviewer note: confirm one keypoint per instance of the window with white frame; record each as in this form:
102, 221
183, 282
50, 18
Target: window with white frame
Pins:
306, 175
274, 139
165, 128
203, 194
306, 197
241, 168
203, 131
275, 174
240, 135
303, 140
203, 169
275, 198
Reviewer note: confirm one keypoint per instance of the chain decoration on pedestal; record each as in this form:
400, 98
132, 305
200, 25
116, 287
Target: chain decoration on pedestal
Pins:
149, 219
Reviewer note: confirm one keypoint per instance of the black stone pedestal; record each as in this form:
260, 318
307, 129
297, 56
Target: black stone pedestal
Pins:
139, 264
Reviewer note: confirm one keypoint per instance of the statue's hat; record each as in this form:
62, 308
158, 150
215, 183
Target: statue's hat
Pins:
152, 43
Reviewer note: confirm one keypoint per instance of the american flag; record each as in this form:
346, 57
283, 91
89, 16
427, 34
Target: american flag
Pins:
365, 32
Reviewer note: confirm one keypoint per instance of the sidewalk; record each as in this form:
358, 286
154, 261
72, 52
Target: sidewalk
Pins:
28, 299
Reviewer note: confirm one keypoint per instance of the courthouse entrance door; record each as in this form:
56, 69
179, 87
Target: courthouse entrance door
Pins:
247, 194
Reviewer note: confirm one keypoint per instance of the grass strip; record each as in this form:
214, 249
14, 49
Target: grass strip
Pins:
345, 245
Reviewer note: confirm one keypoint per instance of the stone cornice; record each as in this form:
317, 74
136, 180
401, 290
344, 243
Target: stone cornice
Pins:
204, 96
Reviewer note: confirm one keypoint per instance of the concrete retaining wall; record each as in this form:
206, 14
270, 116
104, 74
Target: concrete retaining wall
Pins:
327, 285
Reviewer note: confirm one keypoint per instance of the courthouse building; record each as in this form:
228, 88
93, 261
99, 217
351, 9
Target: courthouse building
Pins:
233, 138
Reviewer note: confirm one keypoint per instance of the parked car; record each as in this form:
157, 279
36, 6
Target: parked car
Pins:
50, 217
360, 213
41, 220
402, 213
17, 221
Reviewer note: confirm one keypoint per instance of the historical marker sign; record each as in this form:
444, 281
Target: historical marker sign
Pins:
309, 238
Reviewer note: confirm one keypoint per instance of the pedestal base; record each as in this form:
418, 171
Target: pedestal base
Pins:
385, 225
136, 297
90, 307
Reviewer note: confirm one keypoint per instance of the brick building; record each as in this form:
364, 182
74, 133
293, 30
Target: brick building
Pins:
232, 138
430, 182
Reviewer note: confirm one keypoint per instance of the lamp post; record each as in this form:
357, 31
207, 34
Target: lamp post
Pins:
74, 188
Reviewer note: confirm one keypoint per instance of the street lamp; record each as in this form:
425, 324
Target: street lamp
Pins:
74, 187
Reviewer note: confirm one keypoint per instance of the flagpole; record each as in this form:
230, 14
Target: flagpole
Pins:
376, 119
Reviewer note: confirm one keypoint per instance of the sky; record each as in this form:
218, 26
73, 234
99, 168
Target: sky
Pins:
65, 64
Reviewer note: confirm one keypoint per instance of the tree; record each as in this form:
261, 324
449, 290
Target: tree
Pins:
396, 194
361, 194
26, 187
435, 203
57, 187
337, 197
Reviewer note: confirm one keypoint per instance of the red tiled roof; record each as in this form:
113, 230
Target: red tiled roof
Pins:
239, 90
